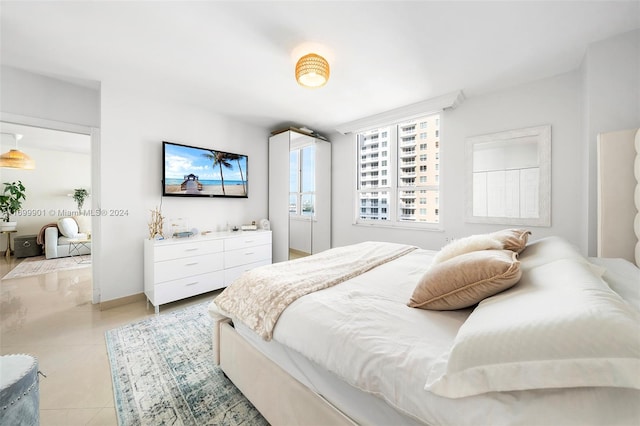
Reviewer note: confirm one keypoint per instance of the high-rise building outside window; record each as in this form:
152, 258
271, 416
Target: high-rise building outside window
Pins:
411, 168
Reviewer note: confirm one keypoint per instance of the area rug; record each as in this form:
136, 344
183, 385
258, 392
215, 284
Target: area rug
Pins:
39, 265
163, 373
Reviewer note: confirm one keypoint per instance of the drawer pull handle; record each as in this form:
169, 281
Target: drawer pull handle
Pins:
193, 283
249, 252
248, 241
192, 249
191, 264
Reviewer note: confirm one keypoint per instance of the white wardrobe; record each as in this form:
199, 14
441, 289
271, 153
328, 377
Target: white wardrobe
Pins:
299, 194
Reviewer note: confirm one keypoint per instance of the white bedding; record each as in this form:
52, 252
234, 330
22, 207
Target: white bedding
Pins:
391, 349
394, 361
623, 277
359, 340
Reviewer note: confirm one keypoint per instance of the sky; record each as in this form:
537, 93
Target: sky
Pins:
182, 160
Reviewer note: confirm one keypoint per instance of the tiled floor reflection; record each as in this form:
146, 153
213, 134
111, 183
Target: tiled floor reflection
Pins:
51, 317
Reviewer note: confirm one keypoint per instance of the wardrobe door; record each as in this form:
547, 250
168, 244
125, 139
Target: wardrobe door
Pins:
299, 195
321, 224
279, 195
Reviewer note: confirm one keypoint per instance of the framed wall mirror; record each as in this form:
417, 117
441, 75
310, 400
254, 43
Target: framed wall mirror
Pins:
508, 177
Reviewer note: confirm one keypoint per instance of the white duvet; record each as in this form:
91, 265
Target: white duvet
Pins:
363, 332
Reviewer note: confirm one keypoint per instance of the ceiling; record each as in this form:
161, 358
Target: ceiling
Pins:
238, 57
44, 139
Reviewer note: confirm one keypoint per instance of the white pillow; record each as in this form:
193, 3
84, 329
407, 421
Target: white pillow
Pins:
466, 245
550, 249
547, 250
68, 227
560, 327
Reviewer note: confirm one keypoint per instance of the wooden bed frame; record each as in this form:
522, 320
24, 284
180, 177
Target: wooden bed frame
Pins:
283, 400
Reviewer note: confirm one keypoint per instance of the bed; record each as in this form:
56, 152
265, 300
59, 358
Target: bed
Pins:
546, 337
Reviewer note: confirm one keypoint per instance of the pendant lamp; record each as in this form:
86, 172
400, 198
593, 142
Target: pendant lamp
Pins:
312, 71
16, 159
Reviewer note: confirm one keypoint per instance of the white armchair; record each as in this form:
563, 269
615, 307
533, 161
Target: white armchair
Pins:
57, 238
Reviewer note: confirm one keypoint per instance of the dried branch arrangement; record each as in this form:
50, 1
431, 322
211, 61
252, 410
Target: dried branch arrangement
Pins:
156, 224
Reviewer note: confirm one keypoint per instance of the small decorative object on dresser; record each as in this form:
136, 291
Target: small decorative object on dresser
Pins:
178, 268
156, 224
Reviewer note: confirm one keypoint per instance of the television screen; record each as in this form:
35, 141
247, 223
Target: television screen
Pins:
189, 171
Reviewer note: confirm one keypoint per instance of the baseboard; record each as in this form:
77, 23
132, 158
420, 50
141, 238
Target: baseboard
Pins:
109, 304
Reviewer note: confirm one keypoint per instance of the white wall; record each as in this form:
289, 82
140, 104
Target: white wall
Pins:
34, 95
46, 195
611, 102
132, 132
129, 160
554, 101
300, 235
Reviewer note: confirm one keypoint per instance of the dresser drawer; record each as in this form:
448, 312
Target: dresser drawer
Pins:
246, 255
195, 265
187, 287
187, 249
248, 239
232, 273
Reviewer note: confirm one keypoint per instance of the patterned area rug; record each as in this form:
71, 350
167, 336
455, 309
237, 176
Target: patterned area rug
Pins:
39, 265
163, 374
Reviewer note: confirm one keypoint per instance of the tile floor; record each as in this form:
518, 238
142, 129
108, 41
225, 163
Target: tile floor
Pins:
51, 317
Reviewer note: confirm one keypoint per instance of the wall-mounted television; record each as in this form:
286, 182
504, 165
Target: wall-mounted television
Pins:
190, 171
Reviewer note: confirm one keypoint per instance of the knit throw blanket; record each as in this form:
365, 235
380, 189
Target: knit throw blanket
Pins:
259, 296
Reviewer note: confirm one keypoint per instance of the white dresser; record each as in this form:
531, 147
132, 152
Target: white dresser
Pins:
178, 268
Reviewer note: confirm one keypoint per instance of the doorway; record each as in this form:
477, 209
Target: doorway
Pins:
65, 157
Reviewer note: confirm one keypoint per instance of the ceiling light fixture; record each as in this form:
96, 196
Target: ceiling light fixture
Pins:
15, 158
312, 71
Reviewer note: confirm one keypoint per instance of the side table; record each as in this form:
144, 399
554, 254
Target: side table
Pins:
8, 251
76, 247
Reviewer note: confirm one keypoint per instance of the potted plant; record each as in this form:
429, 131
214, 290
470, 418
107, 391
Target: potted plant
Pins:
11, 200
79, 195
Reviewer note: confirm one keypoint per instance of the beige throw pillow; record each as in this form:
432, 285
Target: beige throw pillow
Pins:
512, 239
465, 280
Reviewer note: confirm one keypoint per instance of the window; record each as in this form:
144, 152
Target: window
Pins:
408, 170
